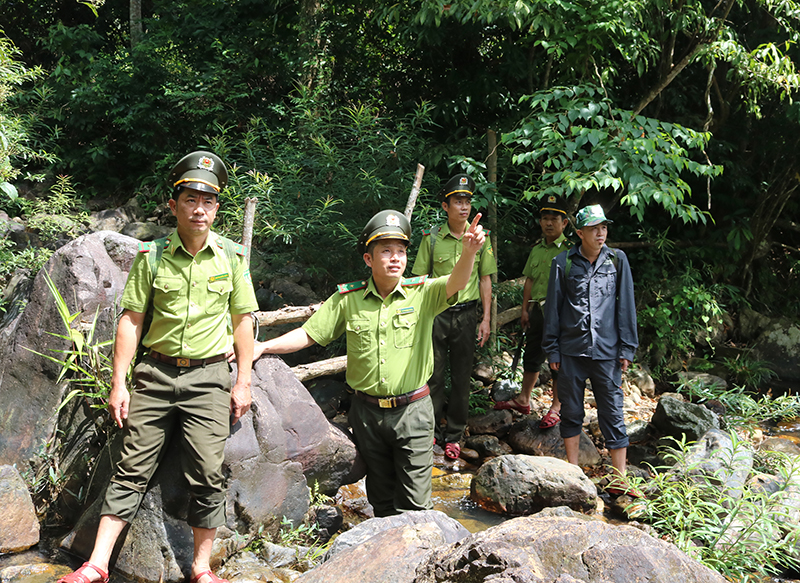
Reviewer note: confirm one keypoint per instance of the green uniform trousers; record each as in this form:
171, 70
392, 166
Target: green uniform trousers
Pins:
196, 402
453, 342
397, 447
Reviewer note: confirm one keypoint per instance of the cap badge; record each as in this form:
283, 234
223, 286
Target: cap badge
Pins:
551, 199
462, 181
392, 220
206, 163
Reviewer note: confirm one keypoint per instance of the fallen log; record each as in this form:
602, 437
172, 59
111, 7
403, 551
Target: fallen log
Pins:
286, 315
312, 370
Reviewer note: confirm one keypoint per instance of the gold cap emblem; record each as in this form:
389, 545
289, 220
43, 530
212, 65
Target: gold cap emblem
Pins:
392, 220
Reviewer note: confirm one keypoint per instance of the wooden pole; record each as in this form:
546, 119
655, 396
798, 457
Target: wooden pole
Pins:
247, 224
412, 198
491, 166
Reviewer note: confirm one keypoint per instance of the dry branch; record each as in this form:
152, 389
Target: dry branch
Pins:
312, 370
286, 315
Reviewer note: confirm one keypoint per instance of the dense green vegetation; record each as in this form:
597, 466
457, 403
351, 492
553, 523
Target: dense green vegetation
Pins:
677, 117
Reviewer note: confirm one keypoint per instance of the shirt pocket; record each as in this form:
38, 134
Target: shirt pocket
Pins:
168, 292
218, 296
405, 327
358, 335
606, 280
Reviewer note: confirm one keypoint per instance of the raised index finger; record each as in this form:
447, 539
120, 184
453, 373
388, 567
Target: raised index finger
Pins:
475, 222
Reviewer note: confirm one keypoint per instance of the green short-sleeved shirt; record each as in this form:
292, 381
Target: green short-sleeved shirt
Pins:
192, 297
448, 251
389, 341
537, 268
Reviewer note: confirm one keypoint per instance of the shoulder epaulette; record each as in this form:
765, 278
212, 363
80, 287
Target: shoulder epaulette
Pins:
426, 232
145, 246
352, 286
237, 247
412, 281
487, 231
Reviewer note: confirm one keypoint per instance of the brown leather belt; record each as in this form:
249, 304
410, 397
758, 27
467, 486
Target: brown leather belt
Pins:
185, 362
398, 401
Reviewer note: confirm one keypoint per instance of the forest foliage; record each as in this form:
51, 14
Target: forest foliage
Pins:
678, 117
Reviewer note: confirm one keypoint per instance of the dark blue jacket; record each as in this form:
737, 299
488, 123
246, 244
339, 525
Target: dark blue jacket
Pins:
592, 313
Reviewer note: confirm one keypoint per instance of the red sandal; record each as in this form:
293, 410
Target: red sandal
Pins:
78, 575
452, 451
512, 404
551, 419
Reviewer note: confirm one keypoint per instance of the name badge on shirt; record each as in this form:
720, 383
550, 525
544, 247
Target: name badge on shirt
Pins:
219, 277
404, 311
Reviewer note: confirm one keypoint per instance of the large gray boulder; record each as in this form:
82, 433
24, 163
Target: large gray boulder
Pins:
556, 549
386, 549
90, 273
524, 484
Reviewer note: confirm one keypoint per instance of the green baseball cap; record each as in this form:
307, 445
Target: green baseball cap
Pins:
591, 215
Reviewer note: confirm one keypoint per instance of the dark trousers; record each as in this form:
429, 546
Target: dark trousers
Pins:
196, 402
606, 377
453, 342
397, 447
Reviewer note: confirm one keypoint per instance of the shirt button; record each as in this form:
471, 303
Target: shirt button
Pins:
383, 361
383, 342
194, 284
383, 324
383, 380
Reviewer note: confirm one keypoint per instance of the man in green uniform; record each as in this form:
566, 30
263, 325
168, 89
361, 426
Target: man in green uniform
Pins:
553, 221
193, 281
454, 329
388, 322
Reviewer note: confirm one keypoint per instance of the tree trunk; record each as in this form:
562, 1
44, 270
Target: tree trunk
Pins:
136, 22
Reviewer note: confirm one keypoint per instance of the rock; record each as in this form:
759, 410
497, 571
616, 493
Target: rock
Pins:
777, 345
33, 573
490, 423
715, 456
247, 567
19, 527
450, 529
109, 220
294, 294
675, 418
487, 446
781, 445
329, 519
90, 273
526, 437
504, 390
147, 231
703, 379
523, 484
640, 377
561, 550
638, 430
389, 555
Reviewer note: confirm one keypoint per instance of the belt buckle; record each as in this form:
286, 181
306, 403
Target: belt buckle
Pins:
182, 362
389, 403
